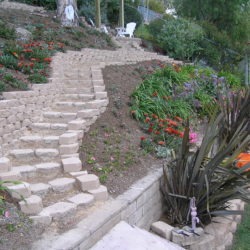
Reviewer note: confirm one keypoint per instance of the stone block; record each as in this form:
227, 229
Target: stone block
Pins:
82, 199
72, 164
76, 125
46, 153
21, 154
78, 173
48, 169
88, 113
40, 189
20, 191
68, 138
5, 165
218, 230
69, 149
10, 176
59, 211
40, 220
26, 171
88, 182
62, 184
32, 205
163, 229
100, 194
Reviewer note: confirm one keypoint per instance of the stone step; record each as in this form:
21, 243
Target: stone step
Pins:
49, 128
78, 82
39, 172
31, 205
82, 199
20, 191
30, 156
5, 165
77, 97
82, 90
70, 106
12, 175
59, 117
60, 211
88, 113
96, 104
101, 95
61, 185
37, 141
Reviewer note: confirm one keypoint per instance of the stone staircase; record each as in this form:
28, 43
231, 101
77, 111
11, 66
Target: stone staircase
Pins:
42, 153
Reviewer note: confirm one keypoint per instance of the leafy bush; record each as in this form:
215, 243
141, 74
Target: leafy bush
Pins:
132, 15
180, 38
9, 61
157, 6
6, 32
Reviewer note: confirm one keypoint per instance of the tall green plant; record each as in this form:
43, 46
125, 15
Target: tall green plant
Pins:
210, 178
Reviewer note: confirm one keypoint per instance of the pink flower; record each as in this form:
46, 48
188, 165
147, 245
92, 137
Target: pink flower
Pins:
7, 214
92, 158
193, 137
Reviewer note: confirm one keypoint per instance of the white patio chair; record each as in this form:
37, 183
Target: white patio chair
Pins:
122, 32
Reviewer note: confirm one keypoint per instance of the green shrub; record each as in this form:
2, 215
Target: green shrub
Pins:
6, 32
2, 86
132, 15
180, 38
157, 6
37, 78
9, 61
233, 80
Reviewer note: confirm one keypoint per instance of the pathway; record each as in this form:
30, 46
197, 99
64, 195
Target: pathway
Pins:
44, 155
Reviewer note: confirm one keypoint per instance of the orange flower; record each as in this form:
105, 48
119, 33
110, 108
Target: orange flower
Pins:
47, 59
157, 132
242, 160
15, 54
169, 130
177, 118
161, 143
154, 116
147, 120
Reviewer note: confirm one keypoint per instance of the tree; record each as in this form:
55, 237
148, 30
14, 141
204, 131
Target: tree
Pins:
67, 12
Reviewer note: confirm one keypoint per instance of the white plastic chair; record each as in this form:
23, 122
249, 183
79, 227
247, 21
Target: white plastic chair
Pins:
130, 28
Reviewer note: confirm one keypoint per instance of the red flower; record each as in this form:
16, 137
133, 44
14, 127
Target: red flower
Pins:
147, 120
150, 130
143, 138
171, 122
27, 50
155, 94
157, 132
154, 116
161, 143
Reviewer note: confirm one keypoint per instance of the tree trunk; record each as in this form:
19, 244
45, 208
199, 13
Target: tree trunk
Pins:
121, 14
97, 14
67, 12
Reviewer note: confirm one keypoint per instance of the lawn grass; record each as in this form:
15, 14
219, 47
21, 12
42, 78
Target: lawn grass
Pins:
242, 236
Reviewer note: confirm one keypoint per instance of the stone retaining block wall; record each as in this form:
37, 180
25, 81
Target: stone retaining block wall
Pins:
140, 205
21, 108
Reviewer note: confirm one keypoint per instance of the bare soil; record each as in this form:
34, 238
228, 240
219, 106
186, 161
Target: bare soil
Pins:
111, 149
